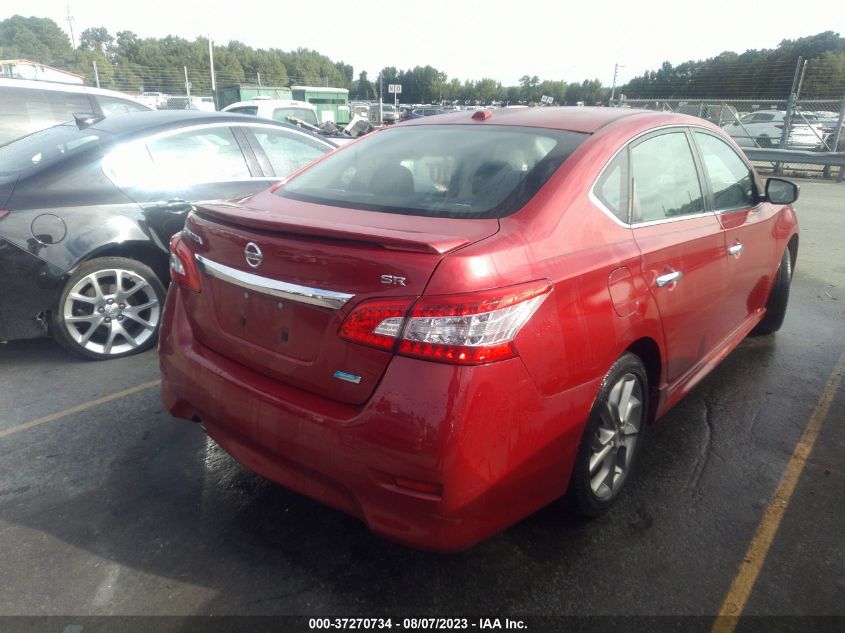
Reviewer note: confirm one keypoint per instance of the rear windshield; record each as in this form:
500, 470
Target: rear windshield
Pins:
45, 147
282, 114
450, 171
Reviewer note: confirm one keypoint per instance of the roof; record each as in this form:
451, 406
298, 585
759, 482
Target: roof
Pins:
160, 120
574, 119
140, 121
29, 62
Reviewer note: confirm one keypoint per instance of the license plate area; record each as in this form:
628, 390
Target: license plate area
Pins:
285, 327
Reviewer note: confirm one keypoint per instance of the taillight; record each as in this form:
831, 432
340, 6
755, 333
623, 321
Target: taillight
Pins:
183, 269
465, 329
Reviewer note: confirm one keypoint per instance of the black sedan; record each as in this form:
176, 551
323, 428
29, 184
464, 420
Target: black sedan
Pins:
87, 211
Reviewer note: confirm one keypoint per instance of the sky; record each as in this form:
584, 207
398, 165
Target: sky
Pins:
502, 40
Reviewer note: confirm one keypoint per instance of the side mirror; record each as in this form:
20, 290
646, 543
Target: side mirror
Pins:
779, 191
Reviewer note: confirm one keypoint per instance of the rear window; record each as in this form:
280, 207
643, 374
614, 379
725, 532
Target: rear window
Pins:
450, 171
46, 147
304, 114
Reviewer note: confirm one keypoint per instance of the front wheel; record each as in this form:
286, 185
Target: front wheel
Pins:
612, 438
109, 308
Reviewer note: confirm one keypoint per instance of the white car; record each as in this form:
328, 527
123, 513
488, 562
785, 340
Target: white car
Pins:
28, 105
153, 99
766, 127
277, 109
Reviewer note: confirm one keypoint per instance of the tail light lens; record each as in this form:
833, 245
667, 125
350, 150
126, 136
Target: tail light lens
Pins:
467, 329
183, 269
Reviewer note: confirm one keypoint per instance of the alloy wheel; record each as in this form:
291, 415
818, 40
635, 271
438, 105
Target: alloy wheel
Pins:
613, 445
111, 311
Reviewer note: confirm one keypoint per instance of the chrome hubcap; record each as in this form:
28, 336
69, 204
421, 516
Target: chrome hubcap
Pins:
111, 311
616, 437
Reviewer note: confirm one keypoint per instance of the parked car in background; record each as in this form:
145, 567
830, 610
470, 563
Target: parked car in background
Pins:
448, 324
766, 127
153, 99
86, 214
389, 113
277, 109
28, 105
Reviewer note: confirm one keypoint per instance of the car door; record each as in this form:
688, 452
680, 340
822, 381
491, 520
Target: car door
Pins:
747, 222
167, 173
682, 247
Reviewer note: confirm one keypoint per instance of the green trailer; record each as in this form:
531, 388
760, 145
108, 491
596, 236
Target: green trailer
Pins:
227, 95
332, 103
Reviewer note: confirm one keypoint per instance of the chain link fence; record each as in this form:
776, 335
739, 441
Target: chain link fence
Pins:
804, 124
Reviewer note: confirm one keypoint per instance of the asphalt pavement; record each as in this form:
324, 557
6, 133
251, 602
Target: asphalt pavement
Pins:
108, 506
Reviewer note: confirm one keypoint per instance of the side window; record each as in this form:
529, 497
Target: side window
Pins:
612, 187
730, 178
199, 155
665, 180
762, 117
245, 110
287, 152
112, 106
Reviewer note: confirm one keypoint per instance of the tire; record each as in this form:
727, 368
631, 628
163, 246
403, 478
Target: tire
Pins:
778, 299
109, 308
594, 489
764, 141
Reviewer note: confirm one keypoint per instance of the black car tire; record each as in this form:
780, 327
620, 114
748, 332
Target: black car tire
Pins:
778, 299
96, 320
588, 497
764, 141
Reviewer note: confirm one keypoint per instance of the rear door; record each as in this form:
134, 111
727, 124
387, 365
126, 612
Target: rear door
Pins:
748, 226
682, 246
167, 173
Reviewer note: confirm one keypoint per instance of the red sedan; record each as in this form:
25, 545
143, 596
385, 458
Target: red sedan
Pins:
449, 324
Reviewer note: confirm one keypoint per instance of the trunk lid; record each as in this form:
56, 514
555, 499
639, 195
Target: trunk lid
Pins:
318, 263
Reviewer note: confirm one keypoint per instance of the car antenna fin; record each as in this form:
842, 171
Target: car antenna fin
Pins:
86, 119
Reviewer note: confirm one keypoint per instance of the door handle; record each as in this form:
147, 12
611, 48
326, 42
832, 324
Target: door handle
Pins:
669, 278
736, 249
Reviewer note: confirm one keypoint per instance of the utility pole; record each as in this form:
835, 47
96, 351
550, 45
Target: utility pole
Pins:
96, 74
211, 65
616, 68
70, 24
259, 77
187, 85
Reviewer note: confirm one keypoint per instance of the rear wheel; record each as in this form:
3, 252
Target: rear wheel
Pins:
764, 141
612, 438
778, 299
109, 308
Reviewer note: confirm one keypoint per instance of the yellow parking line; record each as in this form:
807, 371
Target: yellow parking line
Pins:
80, 407
752, 562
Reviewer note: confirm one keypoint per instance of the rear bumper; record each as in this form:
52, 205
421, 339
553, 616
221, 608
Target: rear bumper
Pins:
496, 446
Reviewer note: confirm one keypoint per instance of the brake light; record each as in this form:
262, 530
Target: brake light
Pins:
468, 329
183, 269
376, 323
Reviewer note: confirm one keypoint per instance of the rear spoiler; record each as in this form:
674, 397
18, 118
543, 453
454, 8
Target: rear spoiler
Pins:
390, 238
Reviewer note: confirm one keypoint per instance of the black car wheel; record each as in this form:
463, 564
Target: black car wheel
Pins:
778, 299
109, 308
612, 438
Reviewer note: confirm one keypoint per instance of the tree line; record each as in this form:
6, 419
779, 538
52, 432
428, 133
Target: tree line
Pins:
126, 61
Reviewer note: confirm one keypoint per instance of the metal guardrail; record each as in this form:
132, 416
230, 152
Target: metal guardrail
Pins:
781, 156
795, 156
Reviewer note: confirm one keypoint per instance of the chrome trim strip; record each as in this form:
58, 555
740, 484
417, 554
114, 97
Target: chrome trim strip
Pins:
273, 287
